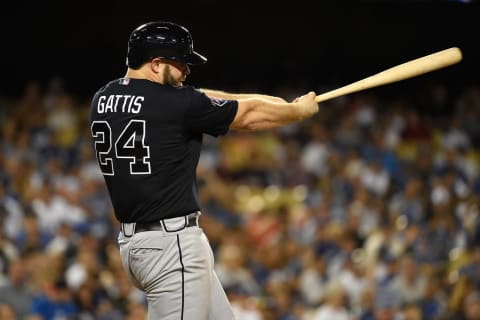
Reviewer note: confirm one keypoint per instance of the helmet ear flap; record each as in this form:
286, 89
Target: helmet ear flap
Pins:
164, 40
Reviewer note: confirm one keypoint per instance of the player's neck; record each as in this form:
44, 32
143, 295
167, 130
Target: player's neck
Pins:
142, 74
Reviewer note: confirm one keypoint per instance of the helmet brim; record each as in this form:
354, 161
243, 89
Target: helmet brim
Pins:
195, 59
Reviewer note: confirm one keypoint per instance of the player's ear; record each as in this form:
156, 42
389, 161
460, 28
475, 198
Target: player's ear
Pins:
156, 65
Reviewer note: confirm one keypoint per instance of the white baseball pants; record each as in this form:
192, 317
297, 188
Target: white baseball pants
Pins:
175, 270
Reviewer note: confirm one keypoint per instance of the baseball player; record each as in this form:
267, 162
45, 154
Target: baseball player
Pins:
147, 133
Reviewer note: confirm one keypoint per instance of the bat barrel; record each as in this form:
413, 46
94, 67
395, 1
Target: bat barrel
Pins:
412, 68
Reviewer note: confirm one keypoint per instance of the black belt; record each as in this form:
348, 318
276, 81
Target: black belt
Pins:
159, 226
191, 221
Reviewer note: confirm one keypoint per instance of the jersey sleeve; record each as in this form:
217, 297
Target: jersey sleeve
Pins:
210, 115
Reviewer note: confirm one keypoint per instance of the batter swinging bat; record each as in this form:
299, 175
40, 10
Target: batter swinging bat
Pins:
403, 71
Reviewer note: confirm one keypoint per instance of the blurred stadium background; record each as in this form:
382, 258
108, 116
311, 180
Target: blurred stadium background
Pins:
368, 211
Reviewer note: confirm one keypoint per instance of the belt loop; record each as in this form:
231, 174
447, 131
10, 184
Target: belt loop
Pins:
125, 232
185, 225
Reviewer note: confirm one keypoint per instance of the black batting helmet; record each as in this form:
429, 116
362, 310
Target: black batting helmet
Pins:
161, 39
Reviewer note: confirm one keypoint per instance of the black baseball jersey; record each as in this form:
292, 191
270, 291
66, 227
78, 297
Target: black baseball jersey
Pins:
147, 138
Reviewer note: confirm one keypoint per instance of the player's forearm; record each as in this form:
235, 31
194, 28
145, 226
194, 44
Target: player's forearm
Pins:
238, 96
260, 114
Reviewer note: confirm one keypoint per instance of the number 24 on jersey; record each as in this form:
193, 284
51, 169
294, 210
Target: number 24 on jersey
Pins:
129, 145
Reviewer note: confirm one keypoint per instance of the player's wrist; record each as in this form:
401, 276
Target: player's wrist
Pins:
299, 110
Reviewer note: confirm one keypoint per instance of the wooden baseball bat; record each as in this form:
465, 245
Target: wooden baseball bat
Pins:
400, 72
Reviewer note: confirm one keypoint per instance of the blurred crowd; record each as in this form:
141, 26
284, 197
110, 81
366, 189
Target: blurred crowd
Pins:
369, 210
